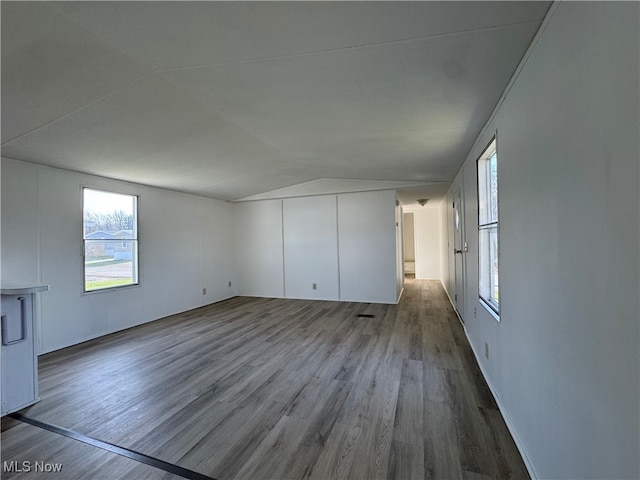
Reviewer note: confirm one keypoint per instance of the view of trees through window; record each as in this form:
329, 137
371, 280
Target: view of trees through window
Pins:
110, 239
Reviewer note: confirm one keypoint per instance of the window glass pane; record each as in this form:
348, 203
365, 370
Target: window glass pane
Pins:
483, 206
489, 284
493, 188
110, 240
107, 214
489, 288
110, 264
485, 285
488, 187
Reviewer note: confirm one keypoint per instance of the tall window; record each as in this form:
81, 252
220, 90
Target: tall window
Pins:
488, 227
110, 239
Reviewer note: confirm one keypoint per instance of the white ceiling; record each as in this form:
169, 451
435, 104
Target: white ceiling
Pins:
234, 99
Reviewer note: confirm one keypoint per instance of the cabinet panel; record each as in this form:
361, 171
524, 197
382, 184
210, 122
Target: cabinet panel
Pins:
19, 364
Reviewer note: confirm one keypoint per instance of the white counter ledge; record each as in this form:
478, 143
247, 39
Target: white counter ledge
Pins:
21, 288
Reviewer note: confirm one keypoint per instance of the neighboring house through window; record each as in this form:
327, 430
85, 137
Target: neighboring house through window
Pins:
110, 237
488, 227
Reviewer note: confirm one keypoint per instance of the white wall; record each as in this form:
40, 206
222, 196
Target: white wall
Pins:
564, 358
408, 237
427, 226
367, 245
311, 247
345, 243
186, 244
259, 248
20, 239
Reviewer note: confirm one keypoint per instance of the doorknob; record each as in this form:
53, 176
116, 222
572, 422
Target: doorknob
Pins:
457, 251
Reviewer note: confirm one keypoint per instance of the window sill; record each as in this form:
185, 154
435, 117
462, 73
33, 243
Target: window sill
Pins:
111, 289
491, 311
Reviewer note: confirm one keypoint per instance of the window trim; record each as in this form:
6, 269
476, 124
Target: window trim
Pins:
490, 149
116, 241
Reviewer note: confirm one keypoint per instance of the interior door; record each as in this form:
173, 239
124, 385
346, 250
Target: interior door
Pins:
459, 249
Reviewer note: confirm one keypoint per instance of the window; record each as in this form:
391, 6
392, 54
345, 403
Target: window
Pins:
110, 237
488, 227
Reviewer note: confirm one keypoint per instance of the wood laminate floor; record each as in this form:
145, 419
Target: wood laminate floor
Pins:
255, 388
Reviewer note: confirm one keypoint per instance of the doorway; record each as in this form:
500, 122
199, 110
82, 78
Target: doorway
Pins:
409, 245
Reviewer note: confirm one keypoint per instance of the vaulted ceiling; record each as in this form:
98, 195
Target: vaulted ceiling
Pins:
233, 99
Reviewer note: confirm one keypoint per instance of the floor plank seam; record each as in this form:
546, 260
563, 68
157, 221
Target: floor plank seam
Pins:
125, 452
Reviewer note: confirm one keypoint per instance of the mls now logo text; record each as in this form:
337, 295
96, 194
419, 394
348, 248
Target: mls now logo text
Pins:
19, 467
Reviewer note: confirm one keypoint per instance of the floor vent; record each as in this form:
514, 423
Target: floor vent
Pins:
366, 315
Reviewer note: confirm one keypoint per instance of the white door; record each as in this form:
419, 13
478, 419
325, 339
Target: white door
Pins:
459, 249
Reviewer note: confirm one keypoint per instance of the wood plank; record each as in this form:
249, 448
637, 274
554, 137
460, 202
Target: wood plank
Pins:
337, 456
374, 446
76, 460
407, 447
508, 459
257, 387
441, 447
286, 452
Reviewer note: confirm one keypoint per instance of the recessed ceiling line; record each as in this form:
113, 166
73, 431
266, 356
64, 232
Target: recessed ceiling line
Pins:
264, 59
343, 49
79, 109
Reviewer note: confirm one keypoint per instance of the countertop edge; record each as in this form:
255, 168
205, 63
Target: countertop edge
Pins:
22, 289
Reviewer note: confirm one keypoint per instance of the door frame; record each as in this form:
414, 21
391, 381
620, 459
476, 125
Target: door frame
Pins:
458, 250
413, 241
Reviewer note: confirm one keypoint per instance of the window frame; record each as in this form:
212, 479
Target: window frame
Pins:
135, 242
487, 226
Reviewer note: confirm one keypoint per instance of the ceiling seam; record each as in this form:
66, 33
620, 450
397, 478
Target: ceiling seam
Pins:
516, 73
241, 62
79, 109
342, 49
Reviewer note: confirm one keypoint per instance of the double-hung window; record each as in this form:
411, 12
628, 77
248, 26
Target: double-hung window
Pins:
488, 227
110, 239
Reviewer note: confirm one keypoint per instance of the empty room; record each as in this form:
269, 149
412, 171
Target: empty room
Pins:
320, 240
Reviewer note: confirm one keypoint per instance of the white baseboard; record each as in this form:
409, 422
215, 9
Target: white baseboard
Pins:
504, 413
400, 296
496, 397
